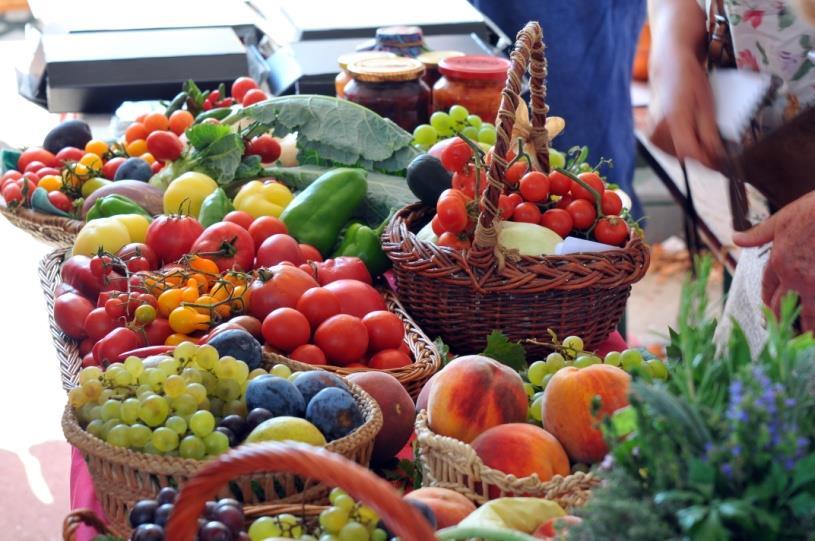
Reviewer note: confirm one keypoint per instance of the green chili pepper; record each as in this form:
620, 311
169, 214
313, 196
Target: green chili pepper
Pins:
113, 205
214, 207
178, 102
365, 243
219, 113
317, 214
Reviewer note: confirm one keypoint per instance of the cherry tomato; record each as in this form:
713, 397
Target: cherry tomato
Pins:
180, 120
452, 214
611, 230
279, 248
33, 167
156, 166
583, 213
135, 131
60, 200
319, 304
286, 329
254, 95
385, 330
593, 180
156, 122
144, 314
611, 204
559, 184
36, 154
456, 155
356, 298
534, 186
70, 311
309, 354
389, 358
343, 339
115, 308
264, 227
527, 212
515, 172
558, 220
564, 201
437, 228
515, 199
111, 166
98, 323
12, 194
164, 145
310, 253
455, 241
136, 250
69, 154
49, 171
264, 146
243, 219
213, 96
241, 86
505, 207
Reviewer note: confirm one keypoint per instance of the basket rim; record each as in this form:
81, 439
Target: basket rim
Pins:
68, 225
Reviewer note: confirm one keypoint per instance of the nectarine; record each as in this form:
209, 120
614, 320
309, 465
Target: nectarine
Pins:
522, 449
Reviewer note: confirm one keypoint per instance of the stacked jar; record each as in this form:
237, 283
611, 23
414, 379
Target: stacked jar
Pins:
392, 88
475, 82
431, 61
343, 77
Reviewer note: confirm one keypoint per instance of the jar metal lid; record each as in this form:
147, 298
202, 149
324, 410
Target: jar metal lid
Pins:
404, 36
348, 58
431, 59
475, 67
380, 70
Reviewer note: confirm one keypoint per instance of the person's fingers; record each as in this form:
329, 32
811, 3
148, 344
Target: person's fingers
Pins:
685, 137
769, 284
758, 235
775, 301
707, 129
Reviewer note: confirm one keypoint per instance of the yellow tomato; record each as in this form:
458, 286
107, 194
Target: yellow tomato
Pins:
185, 194
50, 183
148, 158
96, 146
136, 148
136, 225
93, 161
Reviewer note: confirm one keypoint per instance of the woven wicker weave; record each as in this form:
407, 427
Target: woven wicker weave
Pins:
53, 230
463, 295
121, 476
450, 463
427, 360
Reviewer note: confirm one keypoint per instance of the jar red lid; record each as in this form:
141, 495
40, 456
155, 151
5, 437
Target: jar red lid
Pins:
475, 67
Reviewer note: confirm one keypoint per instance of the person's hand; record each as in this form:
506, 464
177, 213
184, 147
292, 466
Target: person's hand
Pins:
792, 261
684, 109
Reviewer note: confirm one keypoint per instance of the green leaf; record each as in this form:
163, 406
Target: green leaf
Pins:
802, 504
804, 473
672, 497
250, 168
500, 348
711, 529
337, 130
786, 18
803, 70
624, 421
689, 517
686, 423
221, 158
442, 348
202, 135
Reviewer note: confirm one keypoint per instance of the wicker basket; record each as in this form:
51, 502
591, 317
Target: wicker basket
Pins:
53, 230
427, 360
121, 476
70, 362
451, 463
463, 295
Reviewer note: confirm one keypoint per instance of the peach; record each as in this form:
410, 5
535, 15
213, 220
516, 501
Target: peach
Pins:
522, 449
567, 402
449, 506
472, 394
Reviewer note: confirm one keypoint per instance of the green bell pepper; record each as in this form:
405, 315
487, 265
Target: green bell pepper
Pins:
214, 207
365, 243
113, 205
317, 214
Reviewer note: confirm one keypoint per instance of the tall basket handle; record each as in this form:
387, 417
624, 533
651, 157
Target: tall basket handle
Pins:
527, 55
300, 459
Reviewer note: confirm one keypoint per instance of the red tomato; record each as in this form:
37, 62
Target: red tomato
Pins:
156, 166
278, 248
318, 304
356, 298
60, 200
559, 184
164, 145
264, 146
343, 339
12, 193
611, 204
33, 167
111, 166
241, 86
277, 287
389, 358
171, 237
534, 186
254, 95
593, 180
505, 207
452, 214
464, 181
456, 242
385, 330
564, 201
85, 346
136, 250
558, 220
309, 354
70, 311
342, 267
180, 120
69, 154
286, 329
583, 213
527, 212
98, 323
228, 244
515, 199
310, 253
36, 154
49, 171
76, 272
456, 155
437, 228
611, 230
515, 172
264, 227
157, 332
243, 219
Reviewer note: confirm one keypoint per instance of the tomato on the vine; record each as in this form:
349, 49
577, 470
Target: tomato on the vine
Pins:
436, 225
456, 155
164, 145
559, 184
265, 146
171, 237
527, 212
241, 86
564, 201
254, 95
583, 213
138, 251
452, 213
534, 186
611, 204
228, 244
455, 241
594, 181
505, 207
611, 230
558, 220
69, 154
515, 172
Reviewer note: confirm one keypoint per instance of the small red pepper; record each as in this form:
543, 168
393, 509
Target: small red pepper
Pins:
145, 352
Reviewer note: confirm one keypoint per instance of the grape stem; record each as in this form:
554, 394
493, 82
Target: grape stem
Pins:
481, 532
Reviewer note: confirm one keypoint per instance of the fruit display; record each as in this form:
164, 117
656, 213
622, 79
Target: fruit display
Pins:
456, 121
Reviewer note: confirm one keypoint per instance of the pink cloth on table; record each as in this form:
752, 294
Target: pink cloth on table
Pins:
83, 495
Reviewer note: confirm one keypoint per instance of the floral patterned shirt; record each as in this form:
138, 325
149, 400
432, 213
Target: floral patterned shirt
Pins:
769, 36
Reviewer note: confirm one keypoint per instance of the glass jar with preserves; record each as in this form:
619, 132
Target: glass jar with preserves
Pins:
402, 40
343, 76
475, 82
431, 61
391, 87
